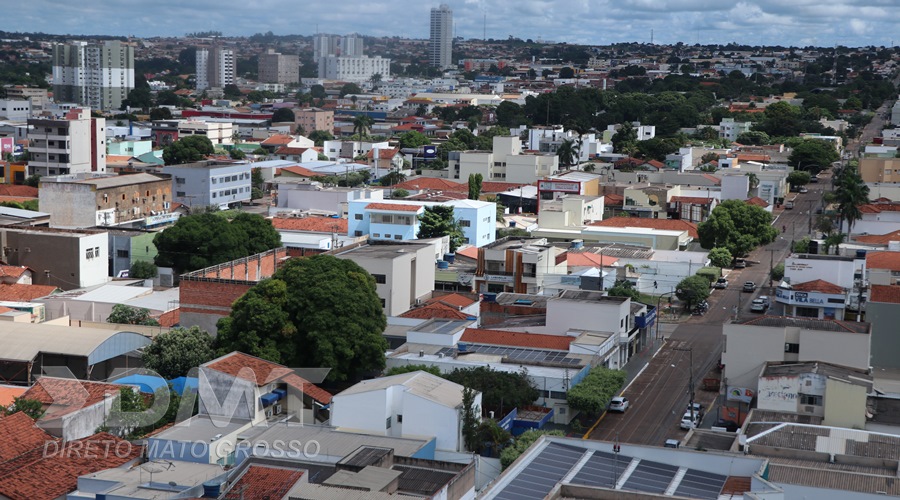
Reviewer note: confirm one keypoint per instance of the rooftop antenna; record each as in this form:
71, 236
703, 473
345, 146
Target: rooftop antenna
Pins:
651, 37
484, 29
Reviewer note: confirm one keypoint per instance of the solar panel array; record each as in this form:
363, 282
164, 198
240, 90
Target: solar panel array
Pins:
542, 474
651, 477
519, 354
699, 484
602, 470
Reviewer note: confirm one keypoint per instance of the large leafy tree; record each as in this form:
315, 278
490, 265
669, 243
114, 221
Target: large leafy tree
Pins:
315, 312
813, 156
510, 114
438, 221
283, 115
350, 88
625, 140
799, 178
693, 290
781, 119
203, 240
624, 288
413, 139
737, 226
187, 150
173, 353
127, 315
720, 257
320, 136
500, 391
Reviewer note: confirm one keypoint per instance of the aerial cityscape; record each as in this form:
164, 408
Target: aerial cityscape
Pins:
474, 251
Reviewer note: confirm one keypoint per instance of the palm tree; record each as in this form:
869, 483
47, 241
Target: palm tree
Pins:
754, 180
375, 79
361, 125
566, 153
834, 240
851, 193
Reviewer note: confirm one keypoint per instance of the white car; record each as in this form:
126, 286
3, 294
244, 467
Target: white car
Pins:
689, 423
758, 305
618, 404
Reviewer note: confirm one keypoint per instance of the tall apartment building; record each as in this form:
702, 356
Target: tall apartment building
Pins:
279, 68
215, 67
93, 74
441, 40
353, 69
312, 119
325, 45
75, 144
352, 45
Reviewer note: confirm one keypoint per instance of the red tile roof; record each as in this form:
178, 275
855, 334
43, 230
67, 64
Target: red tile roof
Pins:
662, 224
757, 201
18, 292
247, 367
655, 164
299, 171
62, 396
263, 481
753, 157
278, 140
50, 474
883, 260
393, 207
588, 259
15, 199
879, 239
517, 339
491, 187
169, 319
877, 208
694, 200
613, 200
885, 293
383, 154
422, 183
715, 180
311, 224
284, 150
18, 190
820, 286
453, 299
438, 310
14, 272
469, 252
307, 387
19, 434
8, 394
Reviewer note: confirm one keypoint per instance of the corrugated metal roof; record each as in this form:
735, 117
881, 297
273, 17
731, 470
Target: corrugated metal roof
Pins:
23, 341
422, 384
335, 443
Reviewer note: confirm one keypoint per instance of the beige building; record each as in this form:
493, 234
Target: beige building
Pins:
404, 273
571, 211
749, 344
75, 144
312, 119
505, 162
279, 68
520, 266
879, 169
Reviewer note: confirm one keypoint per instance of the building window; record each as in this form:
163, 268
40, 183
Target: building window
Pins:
399, 419
122, 254
791, 348
357, 217
357, 233
388, 423
382, 302
465, 223
380, 278
810, 399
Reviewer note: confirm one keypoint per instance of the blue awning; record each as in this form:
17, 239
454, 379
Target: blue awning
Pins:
281, 393
145, 383
268, 399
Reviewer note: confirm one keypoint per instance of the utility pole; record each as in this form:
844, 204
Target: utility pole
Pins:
771, 266
810, 203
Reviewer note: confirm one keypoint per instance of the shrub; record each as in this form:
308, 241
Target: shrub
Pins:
710, 273
593, 393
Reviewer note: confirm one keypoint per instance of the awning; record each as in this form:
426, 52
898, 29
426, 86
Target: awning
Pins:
281, 393
268, 399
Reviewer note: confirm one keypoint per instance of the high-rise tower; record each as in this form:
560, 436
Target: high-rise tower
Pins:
99, 75
441, 41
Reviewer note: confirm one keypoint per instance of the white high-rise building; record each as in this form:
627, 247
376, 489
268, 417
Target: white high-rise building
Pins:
353, 69
215, 67
441, 41
99, 75
325, 45
352, 46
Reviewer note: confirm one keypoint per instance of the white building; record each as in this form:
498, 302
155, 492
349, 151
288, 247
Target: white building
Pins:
505, 163
353, 46
210, 182
98, 75
353, 69
217, 132
398, 220
730, 129
15, 109
440, 42
75, 144
411, 404
816, 299
215, 67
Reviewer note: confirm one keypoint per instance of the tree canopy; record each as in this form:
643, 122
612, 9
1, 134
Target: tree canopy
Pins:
350, 88
593, 393
813, 156
438, 221
799, 178
127, 315
475, 182
320, 136
693, 290
283, 115
314, 312
737, 226
188, 149
624, 288
173, 353
720, 257
143, 269
413, 139
203, 240
500, 391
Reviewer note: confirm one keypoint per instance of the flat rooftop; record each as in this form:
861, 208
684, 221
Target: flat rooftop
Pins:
378, 251
590, 296
825, 325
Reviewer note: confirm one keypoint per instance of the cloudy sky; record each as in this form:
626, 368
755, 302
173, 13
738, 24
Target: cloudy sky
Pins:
794, 22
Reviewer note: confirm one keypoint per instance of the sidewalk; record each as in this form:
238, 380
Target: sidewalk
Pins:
640, 359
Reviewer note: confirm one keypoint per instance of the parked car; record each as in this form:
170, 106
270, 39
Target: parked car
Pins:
757, 306
749, 287
766, 301
803, 190
672, 443
789, 205
698, 409
739, 263
721, 283
688, 421
619, 404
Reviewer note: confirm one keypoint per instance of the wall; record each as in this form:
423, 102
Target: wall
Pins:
801, 269
70, 205
885, 343
601, 315
422, 417
841, 348
84, 422
747, 348
222, 395
366, 411
61, 254
845, 405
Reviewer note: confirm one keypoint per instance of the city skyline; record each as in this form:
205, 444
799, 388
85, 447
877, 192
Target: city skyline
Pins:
597, 22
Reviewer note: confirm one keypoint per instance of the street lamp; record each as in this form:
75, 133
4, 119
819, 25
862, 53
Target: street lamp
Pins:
690, 351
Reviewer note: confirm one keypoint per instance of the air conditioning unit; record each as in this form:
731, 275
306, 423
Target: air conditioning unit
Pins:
277, 410
269, 412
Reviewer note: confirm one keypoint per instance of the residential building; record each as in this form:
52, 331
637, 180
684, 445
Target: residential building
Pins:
302, 194
15, 109
88, 200
729, 129
95, 304
655, 234
835, 269
297, 155
279, 68
353, 45
217, 132
69, 417
210, 182
835, 393
817, 299
519, 266
883, 312
570, 211
306, 234
415, 404
36, 96
879, 170
404, 273
399, 220
75, 144
180, 479
353, 69
335, 150
325, 45
215, 67
750, 343
506, 162
63, 258
440, 44
98, 75
312, 119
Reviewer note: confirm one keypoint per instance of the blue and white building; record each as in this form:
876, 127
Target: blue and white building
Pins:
209, 182
399, 220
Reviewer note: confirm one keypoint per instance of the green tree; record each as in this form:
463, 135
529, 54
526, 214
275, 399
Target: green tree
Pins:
317, 92
361, 125
753, 138
33, 180
475, 181
256, 178
692, 290
709, 157
413, 139
798, 178
624, 141
566, 153
593, 393
375, 79
160, 114
283, 115
778, 272
257, 231
834, 240
754, 180
31, 407
801, 246
315, 312
438, 221
781, 120
126, 412
392, 178
567, 72
138, 97
320, 136
399, 193
236, 153
192, 148
850, 194
469, 415
173, 353
127, 315
523, 442
737, 226
350, 88
142, 270
720, 257
167, 98
510, 114
813, 156
624, 288
500, 391
399, 370
232, 91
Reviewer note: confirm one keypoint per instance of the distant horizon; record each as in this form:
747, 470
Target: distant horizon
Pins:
803, 23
